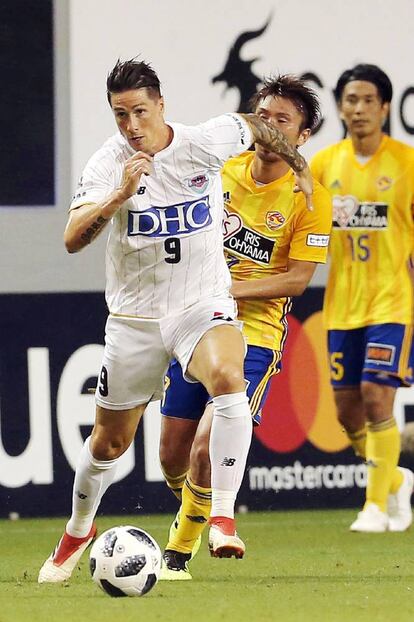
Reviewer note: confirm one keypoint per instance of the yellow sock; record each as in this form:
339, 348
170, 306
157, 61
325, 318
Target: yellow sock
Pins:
194, 513
396, 481
175, 484
382, 454
358, 442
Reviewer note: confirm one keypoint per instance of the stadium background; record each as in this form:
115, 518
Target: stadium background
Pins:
54, 114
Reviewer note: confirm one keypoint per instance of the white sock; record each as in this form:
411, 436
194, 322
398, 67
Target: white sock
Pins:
224, 501
92, 478
230, 437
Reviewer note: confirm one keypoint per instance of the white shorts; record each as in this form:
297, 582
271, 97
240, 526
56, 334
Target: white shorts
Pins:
138, 351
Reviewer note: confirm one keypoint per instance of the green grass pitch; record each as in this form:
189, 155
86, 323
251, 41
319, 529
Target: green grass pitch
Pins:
300, 566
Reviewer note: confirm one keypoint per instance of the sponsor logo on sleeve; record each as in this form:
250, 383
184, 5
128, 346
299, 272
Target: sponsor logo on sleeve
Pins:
82, 188
317, 239
380, 353
241, 128
349, 213
219, 315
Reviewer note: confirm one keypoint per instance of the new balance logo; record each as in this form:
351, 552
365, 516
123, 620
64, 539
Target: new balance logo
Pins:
218, 315
196, 519
228, 462
81, 495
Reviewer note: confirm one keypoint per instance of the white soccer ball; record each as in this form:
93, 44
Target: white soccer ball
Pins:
125, 561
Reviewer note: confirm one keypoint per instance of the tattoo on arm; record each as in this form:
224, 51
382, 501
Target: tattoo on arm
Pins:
271, 138
93, 229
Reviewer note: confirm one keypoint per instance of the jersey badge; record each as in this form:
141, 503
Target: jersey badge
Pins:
274, 220
384, 183
198, 183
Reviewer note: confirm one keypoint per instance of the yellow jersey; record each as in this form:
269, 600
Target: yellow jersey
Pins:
372, 236
263, 227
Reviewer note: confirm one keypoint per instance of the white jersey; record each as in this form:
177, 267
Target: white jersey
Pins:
165, 247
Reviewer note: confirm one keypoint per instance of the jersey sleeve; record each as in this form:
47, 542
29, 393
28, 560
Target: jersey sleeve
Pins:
225, 136
96, 182
310, 239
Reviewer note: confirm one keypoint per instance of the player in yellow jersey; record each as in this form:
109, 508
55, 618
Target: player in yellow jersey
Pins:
273, 244
368, 304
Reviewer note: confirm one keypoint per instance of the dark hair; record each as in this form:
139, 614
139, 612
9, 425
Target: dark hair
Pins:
132, 74
301, 95
367, 73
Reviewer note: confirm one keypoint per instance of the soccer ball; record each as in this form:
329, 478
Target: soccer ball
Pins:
125, 561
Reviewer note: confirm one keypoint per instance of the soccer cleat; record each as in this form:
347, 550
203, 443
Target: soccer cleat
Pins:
399, 504
61, 563
223, 540
175, 566
371, 520
173, 531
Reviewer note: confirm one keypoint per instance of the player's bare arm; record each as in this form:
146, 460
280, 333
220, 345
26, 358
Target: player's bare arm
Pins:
271, 138
293, 282
87, 221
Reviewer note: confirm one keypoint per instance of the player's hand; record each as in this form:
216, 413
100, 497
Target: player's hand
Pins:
137, 165
304, 184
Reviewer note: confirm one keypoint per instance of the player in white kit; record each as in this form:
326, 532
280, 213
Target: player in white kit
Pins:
167, 291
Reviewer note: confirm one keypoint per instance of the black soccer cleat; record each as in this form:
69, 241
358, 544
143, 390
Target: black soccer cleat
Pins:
175, 566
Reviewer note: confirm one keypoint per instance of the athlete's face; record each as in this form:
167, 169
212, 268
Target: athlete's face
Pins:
140, 119
362, 109
283, 114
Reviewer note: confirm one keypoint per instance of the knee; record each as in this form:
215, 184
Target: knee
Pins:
165, 458
226, 378
170, 466
350, 411
373, 401
105, 449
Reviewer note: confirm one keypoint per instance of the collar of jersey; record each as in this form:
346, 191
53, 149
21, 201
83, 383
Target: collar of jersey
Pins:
273, 185
374, 156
